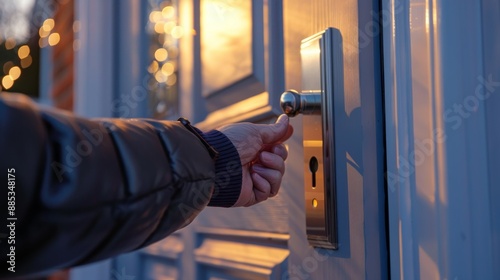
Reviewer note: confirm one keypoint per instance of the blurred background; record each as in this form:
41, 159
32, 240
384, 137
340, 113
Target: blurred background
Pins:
40, 50
130, 58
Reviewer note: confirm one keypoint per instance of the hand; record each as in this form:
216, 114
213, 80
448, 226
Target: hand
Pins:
262, 156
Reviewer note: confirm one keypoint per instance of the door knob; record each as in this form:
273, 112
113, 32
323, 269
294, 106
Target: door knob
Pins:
294, 103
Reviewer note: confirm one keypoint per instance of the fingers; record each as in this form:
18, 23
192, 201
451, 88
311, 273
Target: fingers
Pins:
288, 134
262, 188
271, 166
263, 158
274, 160
280, 150
271, 176
276, 132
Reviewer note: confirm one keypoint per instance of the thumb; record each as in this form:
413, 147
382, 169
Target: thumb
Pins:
274, 132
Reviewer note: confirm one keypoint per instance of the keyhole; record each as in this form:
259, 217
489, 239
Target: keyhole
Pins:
313, 166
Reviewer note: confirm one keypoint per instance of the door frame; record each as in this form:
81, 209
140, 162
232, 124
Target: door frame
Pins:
440, 164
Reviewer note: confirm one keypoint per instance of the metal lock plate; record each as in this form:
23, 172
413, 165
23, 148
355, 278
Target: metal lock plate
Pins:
318, 72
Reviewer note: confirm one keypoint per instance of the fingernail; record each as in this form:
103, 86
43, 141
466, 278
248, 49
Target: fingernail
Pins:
282, 119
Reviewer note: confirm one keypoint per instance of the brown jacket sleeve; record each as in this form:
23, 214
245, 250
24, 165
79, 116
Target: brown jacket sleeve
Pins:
86, 190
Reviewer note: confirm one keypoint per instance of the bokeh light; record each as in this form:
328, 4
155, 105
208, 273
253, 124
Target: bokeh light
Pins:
10, 43
23, 51
7, 82
160, 78
155, 16
15, 73
172, 80
26, 62
168, 12
153, 67
165, 33
6, 67
22, 23
177, 32
161, 54
54, 39
168, 68
167, 27
43, 33
48, 24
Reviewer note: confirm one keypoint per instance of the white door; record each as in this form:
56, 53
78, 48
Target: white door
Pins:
442, 80
234, 65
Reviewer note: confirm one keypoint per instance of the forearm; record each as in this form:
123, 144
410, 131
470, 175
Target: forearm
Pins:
90, 189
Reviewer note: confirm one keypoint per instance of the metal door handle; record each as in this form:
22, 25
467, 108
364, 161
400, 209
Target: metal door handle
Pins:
294, 103
321, 63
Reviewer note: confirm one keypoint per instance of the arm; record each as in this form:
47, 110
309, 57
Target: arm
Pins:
87, 190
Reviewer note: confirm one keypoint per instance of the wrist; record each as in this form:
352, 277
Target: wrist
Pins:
228, 170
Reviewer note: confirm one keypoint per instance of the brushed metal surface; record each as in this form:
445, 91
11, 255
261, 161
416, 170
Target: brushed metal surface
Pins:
360, 192
317, 70
293, 103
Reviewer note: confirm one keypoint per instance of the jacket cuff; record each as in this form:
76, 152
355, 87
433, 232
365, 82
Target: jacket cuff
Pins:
228, 170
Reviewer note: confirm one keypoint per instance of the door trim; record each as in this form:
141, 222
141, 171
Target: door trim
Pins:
439, 187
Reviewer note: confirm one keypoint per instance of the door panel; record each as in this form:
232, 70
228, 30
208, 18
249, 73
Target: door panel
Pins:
237, 254
232, 67
268, 241
442, 145
359, 144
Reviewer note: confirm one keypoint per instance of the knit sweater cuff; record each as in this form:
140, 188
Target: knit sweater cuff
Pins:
228, 171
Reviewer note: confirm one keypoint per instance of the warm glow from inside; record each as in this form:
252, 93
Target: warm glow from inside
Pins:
313, 143
226, 39
253, 103
310, 51
314, 203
